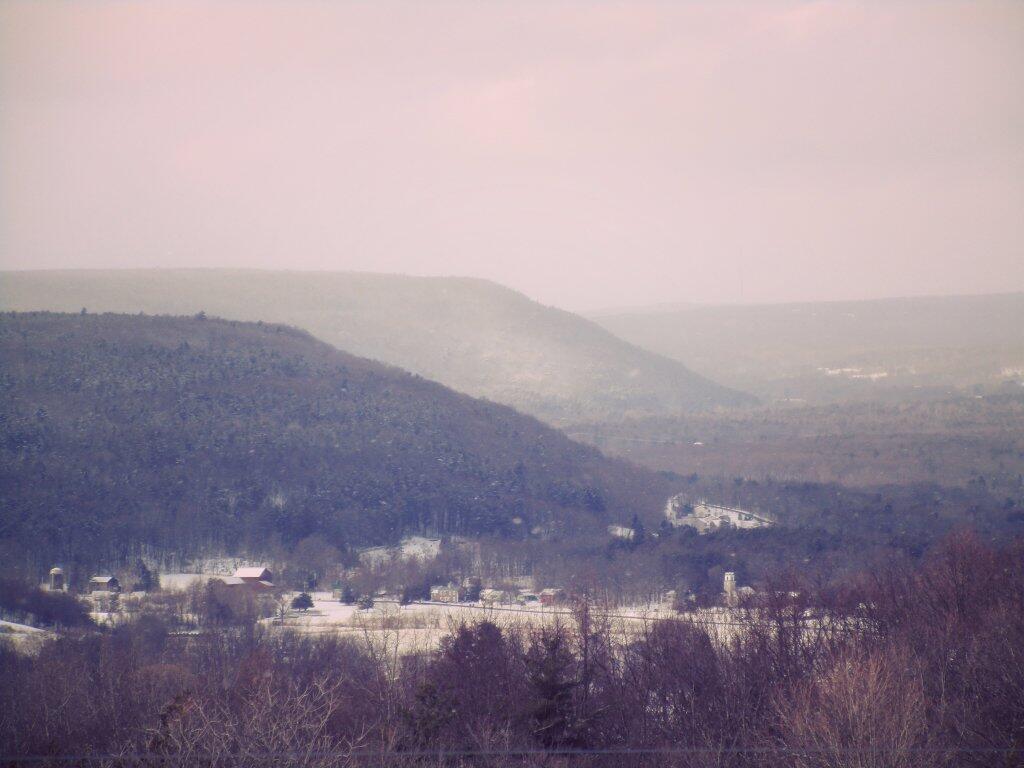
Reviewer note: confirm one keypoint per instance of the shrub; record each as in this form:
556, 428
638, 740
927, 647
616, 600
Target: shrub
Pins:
28, 603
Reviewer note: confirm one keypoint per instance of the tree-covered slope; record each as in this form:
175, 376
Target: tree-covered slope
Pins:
472, 335
182, 433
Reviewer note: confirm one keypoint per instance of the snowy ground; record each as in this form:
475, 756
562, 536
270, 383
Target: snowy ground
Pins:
180, 582
15, 628
24, 638
413, 547
420, 626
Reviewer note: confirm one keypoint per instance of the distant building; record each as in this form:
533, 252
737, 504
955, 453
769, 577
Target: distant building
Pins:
57, 581
729, 587
253, 574
621, 532
256, 577
734, 594
706, 517
494, 596
445, 594
104, 584
552, 596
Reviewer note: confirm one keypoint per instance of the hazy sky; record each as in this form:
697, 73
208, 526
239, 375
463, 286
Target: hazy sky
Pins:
587, 153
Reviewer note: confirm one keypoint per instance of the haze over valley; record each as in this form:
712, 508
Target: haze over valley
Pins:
846, 350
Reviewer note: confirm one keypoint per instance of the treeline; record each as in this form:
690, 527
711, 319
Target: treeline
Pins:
899, 666
188, 434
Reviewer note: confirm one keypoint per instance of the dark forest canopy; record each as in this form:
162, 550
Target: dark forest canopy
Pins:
182, 433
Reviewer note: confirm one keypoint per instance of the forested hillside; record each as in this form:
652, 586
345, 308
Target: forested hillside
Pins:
952, 441
182, 433
472, 335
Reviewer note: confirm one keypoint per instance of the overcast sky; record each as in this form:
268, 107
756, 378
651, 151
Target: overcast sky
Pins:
590, 154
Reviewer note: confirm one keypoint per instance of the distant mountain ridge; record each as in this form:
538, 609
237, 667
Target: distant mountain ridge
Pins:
832, 350
178, 433
469, 334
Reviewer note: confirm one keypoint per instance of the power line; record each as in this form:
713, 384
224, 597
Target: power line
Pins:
626, 617
523, 752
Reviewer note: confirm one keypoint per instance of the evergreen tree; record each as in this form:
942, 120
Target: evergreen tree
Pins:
302, 602
365, 602
145, 579
550, 667
638, 531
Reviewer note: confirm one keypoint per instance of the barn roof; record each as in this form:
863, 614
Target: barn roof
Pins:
252, 572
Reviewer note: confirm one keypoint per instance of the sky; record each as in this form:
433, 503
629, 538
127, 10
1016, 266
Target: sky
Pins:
590, 154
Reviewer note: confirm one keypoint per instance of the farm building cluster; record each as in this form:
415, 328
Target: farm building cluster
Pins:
259, 579
471, 591
251, 578
706, 517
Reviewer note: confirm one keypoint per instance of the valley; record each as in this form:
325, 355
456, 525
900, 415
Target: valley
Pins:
212, 438
511, 384
887, 350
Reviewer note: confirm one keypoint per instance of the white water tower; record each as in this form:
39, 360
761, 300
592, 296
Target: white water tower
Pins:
57, 583
729, 586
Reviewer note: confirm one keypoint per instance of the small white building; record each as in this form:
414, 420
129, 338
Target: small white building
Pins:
621, 532
104, 584
494, 596
552, 596
57, 582
445, 594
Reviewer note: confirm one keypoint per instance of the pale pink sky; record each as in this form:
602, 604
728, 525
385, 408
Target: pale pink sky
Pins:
587, 153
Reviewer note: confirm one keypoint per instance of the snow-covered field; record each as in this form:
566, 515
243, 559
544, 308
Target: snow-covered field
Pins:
412, 547
14, 627
420, 626
24, 638
180, 582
